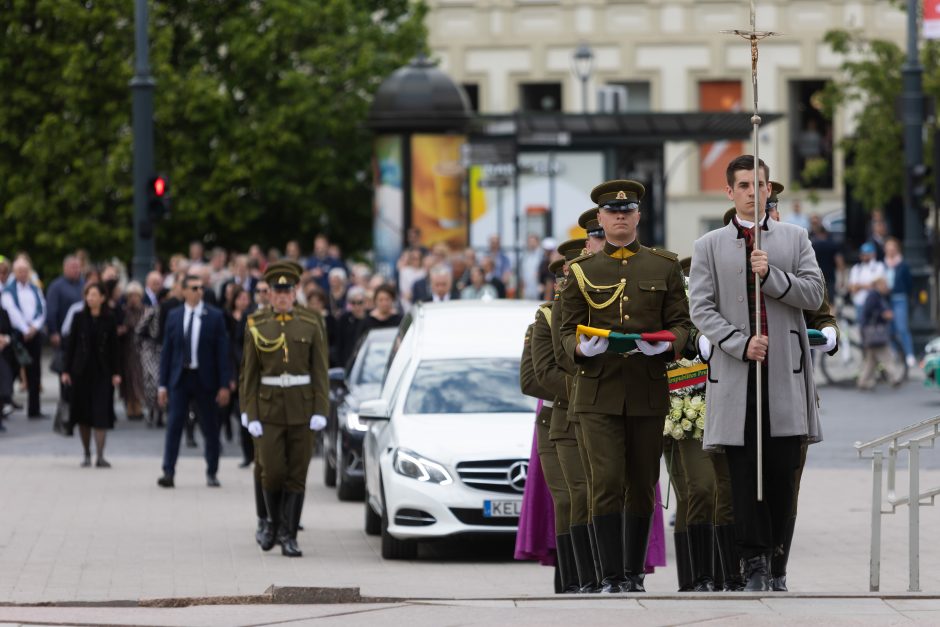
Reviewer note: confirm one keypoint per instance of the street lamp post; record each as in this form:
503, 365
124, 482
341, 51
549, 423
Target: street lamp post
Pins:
582, 64
142, 115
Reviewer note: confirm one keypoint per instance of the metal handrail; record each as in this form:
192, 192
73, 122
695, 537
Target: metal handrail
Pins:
915, 497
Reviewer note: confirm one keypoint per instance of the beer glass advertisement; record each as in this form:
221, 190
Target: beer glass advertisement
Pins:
438, 204
388, 206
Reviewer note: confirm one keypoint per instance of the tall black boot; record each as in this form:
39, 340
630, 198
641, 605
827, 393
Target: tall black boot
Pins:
566, 564
729, 558
757, 574
636, 537
609, 534
683, 560
584, 558
778, 564
592, 535
262, 510
290, 515
272, 502
717, 573
701, 538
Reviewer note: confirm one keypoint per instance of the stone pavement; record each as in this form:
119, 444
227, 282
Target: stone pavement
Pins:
72, 536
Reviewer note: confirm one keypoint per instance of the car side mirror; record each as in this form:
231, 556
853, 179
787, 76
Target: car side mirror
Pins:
374, 410
337, 376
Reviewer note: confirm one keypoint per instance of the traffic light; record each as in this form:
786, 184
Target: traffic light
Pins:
158, 197
920, 182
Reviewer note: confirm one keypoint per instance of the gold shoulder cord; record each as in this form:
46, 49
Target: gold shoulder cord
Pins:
583, 280
266, 345
547, 312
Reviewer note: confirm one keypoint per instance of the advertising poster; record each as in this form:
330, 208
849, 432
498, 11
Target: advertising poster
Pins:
714, 157
438, 202
388, 206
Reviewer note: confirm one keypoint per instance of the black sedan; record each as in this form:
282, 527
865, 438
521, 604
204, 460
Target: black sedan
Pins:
342, 438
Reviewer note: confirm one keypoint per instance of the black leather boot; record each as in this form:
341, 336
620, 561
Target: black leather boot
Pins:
757, 574
717, 574
566, 564
584, 558
609, 535
778, 564
262, 512
592, 534
272, 502
683, 560
636, 532
701, 538
730, 561
290, 515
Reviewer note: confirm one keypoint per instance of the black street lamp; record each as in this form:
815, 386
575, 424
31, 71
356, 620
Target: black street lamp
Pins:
582, 64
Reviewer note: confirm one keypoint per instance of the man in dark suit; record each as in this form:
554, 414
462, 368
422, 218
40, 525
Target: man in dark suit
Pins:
441, 281
194, 369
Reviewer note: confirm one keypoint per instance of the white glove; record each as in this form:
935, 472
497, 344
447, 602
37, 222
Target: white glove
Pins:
593, 346
254, 428
656, 348
832, 340
317, 422
244, 420
704, 347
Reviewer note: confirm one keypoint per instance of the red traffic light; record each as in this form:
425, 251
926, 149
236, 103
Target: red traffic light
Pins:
159, 186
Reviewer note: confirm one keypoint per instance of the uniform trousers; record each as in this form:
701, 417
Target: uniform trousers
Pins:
566, 447
757, 523
284, 452
724, 510
700, 482
623, 454
189, 391
554, 477
586, 464
680, 488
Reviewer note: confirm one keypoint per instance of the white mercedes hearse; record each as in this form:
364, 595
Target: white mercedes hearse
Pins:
448, 445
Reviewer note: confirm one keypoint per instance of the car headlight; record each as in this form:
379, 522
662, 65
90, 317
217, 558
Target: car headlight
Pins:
410, 464
353, 423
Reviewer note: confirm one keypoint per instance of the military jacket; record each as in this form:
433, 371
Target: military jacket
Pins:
631, 290
563, 360
822, 318
294, 343
529, 383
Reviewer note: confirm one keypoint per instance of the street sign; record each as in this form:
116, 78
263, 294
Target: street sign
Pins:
931, 19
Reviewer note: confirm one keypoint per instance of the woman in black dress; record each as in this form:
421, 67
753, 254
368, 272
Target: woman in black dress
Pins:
92, 364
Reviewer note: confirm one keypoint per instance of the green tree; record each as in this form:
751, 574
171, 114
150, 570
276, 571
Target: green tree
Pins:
872, 78
259, 119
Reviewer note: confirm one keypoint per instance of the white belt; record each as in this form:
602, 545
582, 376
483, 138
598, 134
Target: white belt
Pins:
548, 404
286, 380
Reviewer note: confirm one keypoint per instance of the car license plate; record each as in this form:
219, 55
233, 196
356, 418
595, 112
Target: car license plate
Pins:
502, 509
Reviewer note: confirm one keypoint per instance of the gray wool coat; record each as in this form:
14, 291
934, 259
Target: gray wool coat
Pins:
719, 309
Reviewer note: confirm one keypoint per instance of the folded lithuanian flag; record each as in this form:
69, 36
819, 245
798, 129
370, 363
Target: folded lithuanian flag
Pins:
625, 342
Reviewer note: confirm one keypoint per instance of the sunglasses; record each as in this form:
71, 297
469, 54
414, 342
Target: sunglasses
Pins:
195, 288
357, 302
262, 291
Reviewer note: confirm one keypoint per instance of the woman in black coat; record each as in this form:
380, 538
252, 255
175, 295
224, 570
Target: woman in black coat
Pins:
92, 364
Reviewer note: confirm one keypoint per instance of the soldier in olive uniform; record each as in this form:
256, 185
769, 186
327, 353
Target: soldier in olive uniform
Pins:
285, 392
621, 399
567, 574
561, 433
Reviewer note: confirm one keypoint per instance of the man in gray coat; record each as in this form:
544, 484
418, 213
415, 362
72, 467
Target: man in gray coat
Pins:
726, 271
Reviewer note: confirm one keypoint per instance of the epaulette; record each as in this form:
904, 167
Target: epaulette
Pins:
547, 303
667, 254
307, 315
258, 316
580, 258
546, 310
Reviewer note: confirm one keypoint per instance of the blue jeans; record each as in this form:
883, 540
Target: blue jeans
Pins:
901, 322
189, 391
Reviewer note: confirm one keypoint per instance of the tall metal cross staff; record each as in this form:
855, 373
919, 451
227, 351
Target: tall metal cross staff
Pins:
754, 36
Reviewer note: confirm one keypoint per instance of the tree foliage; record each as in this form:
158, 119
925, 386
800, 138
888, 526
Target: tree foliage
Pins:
258, 119
872, 78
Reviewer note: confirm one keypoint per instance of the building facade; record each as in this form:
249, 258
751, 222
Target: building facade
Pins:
670, 56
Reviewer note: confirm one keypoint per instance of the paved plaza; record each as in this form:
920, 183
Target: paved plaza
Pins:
112, 538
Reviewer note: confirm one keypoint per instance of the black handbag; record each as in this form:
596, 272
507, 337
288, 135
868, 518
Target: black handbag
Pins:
875, 335
62, 422
57, 364
23, 358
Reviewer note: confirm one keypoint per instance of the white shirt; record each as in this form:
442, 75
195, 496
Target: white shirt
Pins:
865, 274
197, 326
25, 317
438, 299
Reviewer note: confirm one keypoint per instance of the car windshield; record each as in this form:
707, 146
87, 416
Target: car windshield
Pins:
373, 362
467, 386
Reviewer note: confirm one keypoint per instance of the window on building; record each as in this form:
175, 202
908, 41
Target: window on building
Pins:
624, 97
540, 97
473, 93
810, 136
714, 156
